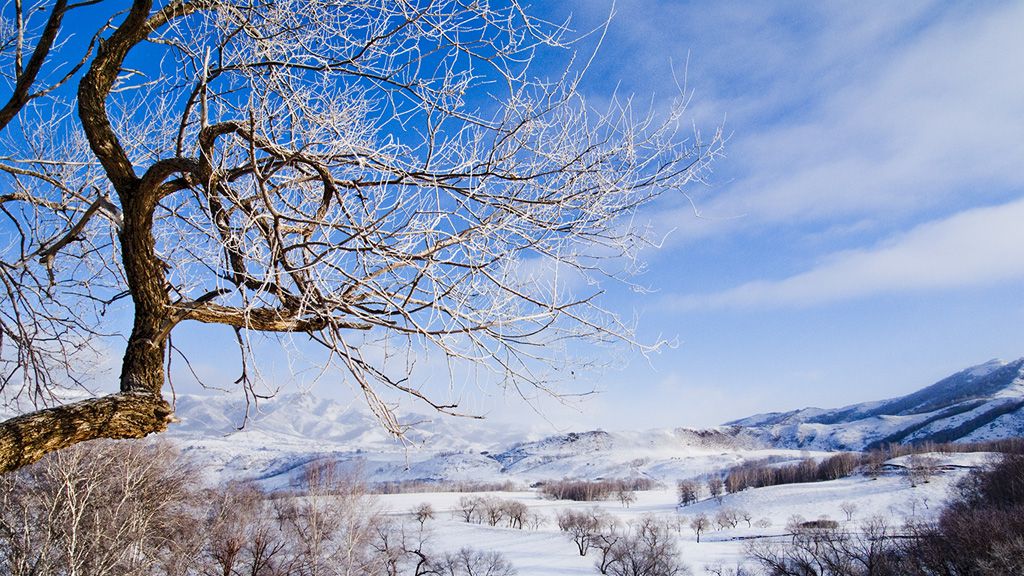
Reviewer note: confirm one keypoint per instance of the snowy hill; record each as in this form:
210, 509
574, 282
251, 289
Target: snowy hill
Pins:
983, 402
287, 432
290, 431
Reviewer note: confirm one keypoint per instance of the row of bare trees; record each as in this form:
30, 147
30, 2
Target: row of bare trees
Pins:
759, 474
979, 533
622, 489
126, 509
645, 547
495, 511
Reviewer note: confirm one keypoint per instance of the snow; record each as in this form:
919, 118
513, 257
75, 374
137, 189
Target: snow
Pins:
547, 552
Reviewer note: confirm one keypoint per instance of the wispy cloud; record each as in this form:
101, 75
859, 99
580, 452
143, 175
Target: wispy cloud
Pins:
888, 111
976, 247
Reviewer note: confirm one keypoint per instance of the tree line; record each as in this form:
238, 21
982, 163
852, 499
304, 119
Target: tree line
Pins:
133, 509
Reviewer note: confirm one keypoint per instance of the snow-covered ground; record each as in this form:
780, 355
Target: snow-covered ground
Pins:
547, 552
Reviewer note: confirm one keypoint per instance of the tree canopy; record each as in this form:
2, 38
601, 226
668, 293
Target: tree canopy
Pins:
374, 174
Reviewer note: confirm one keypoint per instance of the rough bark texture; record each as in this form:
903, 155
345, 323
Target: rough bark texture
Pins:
139, 409
26, 439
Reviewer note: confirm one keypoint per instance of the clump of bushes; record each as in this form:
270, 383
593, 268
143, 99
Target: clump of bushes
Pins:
593, 490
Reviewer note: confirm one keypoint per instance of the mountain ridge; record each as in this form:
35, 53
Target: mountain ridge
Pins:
289, 431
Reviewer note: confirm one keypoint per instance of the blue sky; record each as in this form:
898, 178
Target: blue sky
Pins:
862, 238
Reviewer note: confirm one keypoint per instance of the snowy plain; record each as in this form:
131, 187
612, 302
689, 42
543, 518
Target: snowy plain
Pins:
547, 552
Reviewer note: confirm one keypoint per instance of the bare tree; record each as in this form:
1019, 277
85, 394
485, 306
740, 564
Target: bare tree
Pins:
648, 549
700, 523
383, 178
469, 508
470, 562
747, 516
727, 518
921, 468
583, 526
517, 513
687, 492
716, 486
331, 523
849, 508
626, 495
423, 512
97, 509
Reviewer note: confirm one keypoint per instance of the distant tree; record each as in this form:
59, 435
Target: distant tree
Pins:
625, 495
715, 487
492, 510
647, 549
468, 508
746, 516
423, 512
921, 468
470, 562
583, 526
727, 518
848, 508
874, 462
517, 513
699, 524
687, 492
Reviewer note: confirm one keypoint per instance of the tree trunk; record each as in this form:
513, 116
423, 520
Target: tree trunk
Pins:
26, 439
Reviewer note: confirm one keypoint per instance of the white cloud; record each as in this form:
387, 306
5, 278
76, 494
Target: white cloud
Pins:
976, 247
841, 111
938, 115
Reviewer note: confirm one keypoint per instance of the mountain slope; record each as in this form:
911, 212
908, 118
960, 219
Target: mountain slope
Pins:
286, 433
980, 403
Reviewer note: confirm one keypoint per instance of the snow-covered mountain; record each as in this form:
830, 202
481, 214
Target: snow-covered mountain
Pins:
284, 434
983, 402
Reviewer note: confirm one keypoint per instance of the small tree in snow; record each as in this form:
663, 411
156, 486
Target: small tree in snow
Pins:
700, 523
423, 512
687, 491
715, 487
848, 508
582, 526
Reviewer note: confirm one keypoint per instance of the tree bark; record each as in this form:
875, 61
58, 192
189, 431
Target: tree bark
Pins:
25, 439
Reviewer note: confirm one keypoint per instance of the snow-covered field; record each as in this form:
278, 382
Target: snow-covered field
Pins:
547, 552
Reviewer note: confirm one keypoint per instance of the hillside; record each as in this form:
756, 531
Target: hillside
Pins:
285, 433
980, 403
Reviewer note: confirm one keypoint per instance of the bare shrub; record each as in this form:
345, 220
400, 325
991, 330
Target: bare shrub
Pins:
470, 562
100, 508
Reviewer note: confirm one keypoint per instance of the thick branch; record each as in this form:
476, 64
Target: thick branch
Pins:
27, 77
267, 319
96, 86
25, 439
